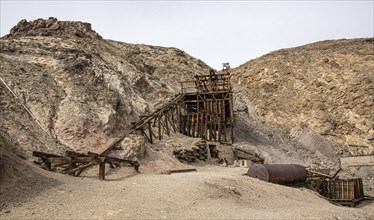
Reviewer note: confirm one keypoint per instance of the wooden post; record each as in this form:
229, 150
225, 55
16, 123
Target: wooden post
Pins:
150, 132
197, 124
231, 118
224, 120
166, 123
179, 120
102, 170
159, 128
188, 125
193, 125
206, 126
219, 128
173, 119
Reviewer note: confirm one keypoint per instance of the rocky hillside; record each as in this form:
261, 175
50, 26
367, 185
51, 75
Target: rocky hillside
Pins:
325, 87
79, 88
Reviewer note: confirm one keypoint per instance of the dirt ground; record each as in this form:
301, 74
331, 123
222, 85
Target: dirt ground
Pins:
213, 192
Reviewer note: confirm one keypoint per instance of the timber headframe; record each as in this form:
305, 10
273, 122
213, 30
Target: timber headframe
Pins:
203, 109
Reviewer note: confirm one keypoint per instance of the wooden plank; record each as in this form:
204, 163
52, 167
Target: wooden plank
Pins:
205, 124
320, 174
193, 125
69, 153
188, 125
197, 124
57, 159
173, 122
179, 171
84, 166
201, 124
42, 154
224, 121
102, 170
159, 129
219, 129
150, 132
166, 123
231, 118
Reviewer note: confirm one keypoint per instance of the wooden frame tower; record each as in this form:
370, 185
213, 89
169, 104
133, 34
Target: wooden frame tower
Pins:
207, 108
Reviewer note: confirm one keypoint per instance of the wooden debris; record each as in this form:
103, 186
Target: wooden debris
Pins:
242, 154
178, 171
74, 163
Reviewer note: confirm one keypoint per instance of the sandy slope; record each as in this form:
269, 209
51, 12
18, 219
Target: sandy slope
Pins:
212, 192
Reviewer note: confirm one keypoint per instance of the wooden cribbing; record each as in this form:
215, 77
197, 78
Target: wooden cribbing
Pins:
75, 163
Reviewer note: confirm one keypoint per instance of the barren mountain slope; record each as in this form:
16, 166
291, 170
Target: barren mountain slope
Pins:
81, 88
327, 87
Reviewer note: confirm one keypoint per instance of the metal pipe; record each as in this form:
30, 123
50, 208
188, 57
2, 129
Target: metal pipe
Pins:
278, 173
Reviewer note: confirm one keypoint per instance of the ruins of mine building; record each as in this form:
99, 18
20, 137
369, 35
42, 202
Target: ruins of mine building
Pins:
203, 109
207, 108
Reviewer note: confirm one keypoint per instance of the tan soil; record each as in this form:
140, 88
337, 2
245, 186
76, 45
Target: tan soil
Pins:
213, 192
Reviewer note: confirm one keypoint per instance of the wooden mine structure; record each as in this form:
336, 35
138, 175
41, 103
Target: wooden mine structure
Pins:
203, 109
207, 108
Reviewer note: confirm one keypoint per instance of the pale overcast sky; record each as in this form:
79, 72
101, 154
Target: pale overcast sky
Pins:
213, 31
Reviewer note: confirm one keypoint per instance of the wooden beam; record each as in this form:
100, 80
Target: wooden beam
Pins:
166, 115
42, 154
159, 129
231, 118
84, 166
150, 132
102, 170
197, 124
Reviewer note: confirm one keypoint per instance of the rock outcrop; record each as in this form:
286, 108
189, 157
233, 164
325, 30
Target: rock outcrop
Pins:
82, 89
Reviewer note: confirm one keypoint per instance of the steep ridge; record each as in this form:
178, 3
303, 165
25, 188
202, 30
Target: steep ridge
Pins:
81, 88
326, 88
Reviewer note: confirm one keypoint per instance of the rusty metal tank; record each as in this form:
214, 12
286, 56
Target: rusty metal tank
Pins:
278, 173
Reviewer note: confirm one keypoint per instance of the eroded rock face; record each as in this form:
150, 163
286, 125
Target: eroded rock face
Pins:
82, 89
53, 27
327, 87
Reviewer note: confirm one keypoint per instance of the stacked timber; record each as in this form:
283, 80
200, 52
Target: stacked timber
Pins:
195, 154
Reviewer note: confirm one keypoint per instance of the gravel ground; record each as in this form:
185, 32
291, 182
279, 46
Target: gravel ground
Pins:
213, 192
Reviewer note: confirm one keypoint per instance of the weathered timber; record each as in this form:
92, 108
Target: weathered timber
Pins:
179, 171
43, 154
76, 163
102, 171
247, 155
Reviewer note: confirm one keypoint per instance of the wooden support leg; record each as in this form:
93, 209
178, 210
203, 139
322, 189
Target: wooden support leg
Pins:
102, 171
150, 132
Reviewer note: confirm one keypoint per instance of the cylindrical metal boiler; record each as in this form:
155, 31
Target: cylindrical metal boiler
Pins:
278, 173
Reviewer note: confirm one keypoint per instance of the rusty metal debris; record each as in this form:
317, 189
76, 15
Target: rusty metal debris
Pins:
278, 173
341, 191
